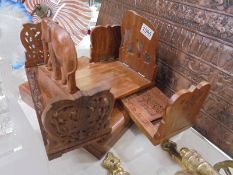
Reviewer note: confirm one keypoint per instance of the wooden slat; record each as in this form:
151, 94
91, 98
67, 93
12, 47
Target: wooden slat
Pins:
122, 80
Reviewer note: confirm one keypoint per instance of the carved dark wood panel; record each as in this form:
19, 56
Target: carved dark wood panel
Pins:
71, 122
31, 39
195, 44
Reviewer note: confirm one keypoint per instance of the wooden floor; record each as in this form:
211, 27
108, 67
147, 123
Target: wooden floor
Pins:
122, 80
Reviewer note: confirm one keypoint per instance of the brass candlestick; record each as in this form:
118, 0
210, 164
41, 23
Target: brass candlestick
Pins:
192, 161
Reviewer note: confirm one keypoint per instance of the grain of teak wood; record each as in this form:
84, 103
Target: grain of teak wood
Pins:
171, 116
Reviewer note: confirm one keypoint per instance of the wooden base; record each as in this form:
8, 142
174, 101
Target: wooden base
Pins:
116, 75
120, 122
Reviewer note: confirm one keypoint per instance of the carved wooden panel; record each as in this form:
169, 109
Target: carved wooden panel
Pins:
31, 39
138, 44
37, 98
195, 44
72, 122
105, 43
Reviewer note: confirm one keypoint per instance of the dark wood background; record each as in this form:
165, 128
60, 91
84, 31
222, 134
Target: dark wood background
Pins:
195, 44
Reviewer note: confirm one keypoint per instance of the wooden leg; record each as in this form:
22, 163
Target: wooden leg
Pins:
63, 76
71, 83
49, 65
55, 67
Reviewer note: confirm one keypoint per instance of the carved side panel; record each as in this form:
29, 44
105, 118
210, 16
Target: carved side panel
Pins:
195, 44
138, 45
31, 39
36, 96
72, 122
105, 43
182, 110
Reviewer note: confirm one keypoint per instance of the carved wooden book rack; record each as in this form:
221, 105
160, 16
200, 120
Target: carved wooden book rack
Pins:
70, 118
171, 116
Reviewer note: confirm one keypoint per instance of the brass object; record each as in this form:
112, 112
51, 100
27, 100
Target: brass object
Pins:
42, 10
113, 165
171, 148
225, 165
192, 161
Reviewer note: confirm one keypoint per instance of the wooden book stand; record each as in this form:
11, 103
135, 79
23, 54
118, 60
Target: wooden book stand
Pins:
52, 67
70, 118
171, 116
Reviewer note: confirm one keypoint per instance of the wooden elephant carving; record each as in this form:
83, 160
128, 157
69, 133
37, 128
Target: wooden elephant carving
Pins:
62, 53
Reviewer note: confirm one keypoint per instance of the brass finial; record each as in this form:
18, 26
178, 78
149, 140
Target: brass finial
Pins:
113, 165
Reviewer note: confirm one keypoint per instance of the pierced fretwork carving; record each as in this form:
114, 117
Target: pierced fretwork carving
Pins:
31, 40
72, 122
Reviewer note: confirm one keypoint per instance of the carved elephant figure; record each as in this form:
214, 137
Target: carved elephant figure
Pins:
62, 53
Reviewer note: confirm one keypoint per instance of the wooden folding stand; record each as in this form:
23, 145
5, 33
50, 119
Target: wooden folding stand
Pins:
124, 77
120, 76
